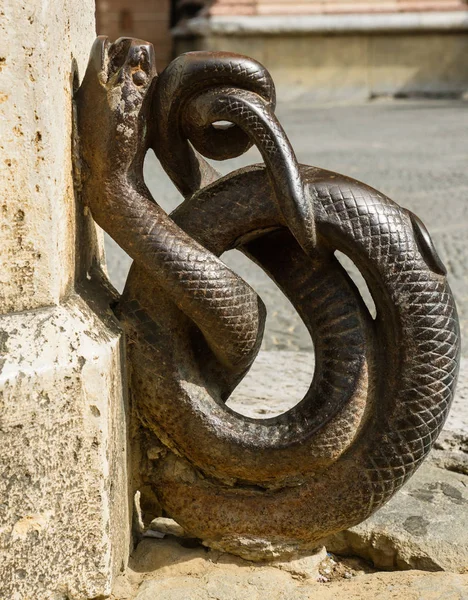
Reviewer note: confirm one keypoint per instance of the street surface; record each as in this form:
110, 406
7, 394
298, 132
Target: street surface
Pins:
416, 152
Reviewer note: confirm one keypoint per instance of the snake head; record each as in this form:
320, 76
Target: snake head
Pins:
426, 245
112, 106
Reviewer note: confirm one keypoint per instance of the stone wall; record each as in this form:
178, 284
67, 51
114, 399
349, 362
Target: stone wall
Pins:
64, 516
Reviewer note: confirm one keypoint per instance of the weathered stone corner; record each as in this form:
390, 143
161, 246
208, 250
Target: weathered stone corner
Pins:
64, 507
65, 526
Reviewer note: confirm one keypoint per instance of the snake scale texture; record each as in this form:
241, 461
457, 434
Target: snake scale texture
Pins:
382, 387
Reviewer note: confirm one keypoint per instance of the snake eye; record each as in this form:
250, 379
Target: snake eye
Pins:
139, 78
426, 245
144, 61
117, 54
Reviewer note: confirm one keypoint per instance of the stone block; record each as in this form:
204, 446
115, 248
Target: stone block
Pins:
424, 526
44, 49
428, 64
64, 513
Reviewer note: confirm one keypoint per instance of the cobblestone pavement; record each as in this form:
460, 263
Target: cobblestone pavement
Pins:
416, 152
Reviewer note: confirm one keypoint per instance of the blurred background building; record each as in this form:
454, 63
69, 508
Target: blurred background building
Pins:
328, 57
149, 20
315, 49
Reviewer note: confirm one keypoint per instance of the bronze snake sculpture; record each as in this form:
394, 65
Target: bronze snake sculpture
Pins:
381, 389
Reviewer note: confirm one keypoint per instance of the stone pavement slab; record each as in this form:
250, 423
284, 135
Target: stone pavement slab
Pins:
166, 570
416, 152
412, 585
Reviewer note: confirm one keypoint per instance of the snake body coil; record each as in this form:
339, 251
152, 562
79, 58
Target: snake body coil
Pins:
382, 387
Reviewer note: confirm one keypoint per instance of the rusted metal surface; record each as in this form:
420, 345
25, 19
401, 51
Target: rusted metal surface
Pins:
382, 387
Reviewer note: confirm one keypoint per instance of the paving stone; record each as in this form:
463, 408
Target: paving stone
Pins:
450, 451
165, 570
383, 586
279, 380
424, 526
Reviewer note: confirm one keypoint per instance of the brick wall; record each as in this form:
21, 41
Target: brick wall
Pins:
145, 19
